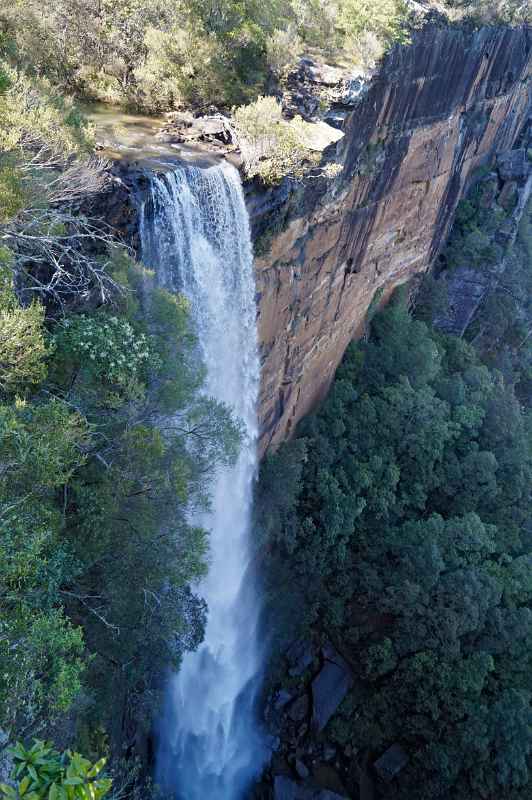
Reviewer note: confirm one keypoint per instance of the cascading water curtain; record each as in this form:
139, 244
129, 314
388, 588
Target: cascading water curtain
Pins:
195, 235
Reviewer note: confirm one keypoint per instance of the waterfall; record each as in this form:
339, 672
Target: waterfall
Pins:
195, 235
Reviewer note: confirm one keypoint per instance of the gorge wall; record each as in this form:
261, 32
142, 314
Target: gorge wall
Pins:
328, 251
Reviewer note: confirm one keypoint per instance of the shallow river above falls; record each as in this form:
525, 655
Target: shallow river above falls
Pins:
138, 138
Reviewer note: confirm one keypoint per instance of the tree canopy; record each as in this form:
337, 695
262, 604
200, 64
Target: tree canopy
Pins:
400, 528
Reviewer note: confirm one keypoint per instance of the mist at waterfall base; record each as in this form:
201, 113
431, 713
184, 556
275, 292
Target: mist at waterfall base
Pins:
195, 235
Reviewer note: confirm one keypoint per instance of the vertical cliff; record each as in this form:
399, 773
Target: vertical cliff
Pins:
437, 112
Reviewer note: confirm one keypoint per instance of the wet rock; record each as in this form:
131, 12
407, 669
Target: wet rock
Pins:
329, 753
390, 764
328, 690
274, 743
217, 127
184, 119
352, 90
514, 165
336, 118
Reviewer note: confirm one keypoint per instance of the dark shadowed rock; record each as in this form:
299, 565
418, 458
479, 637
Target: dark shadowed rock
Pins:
300, 657
302, 769
328, 690
390, 764
282, 698
299, 710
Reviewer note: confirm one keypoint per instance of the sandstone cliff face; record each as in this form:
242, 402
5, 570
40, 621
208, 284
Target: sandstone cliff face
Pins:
438, 111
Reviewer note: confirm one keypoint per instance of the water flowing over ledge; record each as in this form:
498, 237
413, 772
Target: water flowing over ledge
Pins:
195, 235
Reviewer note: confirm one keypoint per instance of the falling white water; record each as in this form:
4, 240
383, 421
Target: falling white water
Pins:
195, 234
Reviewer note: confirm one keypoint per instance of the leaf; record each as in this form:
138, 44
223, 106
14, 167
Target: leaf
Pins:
97, 768
103, 787
73, 781
53, 794
23, 785
33, 772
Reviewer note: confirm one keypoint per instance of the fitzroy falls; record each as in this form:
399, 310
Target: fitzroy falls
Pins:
195, 236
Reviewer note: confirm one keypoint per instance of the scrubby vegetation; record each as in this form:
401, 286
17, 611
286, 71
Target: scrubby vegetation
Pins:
158, 55
505, 12
271, 146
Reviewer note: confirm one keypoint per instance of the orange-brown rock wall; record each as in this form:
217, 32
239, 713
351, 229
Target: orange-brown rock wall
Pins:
438, 111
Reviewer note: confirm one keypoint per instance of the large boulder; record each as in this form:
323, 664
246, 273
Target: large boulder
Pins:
287, 789
390, 764
329, 688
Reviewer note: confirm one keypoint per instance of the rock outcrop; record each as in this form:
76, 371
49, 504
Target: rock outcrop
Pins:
327, 252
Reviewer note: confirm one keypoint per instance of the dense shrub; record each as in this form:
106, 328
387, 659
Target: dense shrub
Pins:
159, 55
271, 146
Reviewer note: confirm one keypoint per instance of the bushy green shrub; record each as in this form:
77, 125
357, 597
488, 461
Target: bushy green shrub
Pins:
42, 773
283, 49
384, 18
23, 349
106, 352
271, 146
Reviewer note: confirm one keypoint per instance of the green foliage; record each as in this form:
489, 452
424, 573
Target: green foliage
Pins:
158, 55
33, 113
498, 12
271, 147
396, 523
385, 18
471, 242
23, 349
40, 651
12, 194
105, 353
102, 461
42, 773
